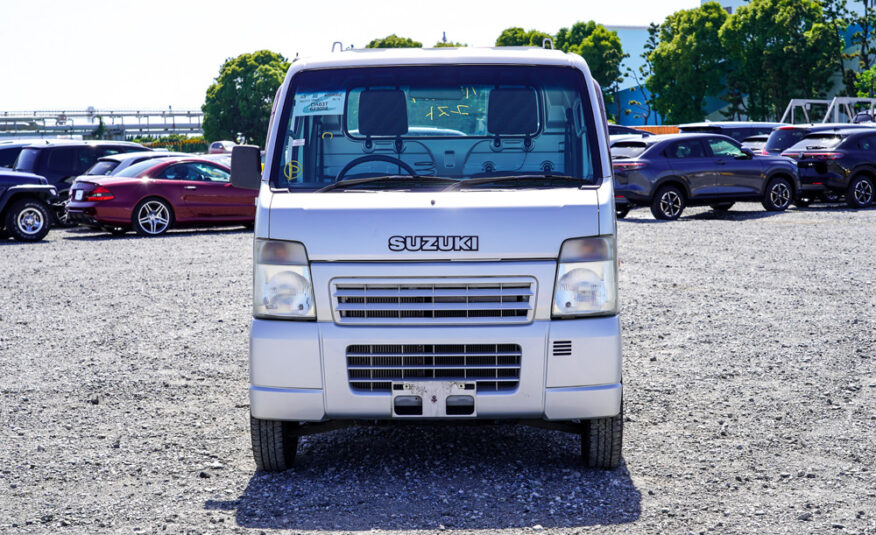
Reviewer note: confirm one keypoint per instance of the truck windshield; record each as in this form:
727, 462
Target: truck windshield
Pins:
353, 126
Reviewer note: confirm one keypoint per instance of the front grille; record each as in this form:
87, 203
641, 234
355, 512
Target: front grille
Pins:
481, 301
492, 367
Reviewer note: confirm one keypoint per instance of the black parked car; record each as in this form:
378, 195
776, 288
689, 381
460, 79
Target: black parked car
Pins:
669, 172
24, 206
61, 161
842, 162
10, 149
738, 130
785, 137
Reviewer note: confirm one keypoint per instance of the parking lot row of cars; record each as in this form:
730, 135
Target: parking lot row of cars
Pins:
114, 186
719, 164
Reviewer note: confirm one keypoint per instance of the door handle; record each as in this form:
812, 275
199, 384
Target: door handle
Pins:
721, 162
191, 187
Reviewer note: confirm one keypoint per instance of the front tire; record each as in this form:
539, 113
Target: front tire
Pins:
778, 195
861, 191
28, 220
274, 444
152, 217
622, 212
668, 203
602, 441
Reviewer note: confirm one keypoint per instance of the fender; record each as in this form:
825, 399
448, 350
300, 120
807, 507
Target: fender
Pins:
42, 191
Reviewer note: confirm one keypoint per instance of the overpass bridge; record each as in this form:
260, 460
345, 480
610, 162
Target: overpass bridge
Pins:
117, 124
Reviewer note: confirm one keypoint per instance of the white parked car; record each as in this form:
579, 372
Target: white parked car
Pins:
434, 240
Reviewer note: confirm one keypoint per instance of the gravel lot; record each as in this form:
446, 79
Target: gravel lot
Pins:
750, 374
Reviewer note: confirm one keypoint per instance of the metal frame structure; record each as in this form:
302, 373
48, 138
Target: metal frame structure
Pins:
836, 108
118, 124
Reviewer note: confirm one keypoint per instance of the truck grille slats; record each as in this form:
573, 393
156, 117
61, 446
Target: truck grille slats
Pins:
492, 367
509, 300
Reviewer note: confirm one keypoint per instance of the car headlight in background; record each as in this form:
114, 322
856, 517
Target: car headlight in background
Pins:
282, 286
586, 278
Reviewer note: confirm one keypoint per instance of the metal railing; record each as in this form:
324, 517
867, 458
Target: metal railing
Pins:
117, 124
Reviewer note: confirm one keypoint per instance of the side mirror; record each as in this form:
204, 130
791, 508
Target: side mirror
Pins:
246, 167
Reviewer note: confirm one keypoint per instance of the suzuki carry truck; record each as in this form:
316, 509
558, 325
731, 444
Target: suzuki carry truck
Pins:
434, 241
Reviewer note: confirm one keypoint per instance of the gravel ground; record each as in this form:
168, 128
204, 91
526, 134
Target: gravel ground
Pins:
750, 395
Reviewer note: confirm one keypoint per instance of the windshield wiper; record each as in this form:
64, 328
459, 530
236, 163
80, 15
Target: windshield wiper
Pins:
391, 178
541, 179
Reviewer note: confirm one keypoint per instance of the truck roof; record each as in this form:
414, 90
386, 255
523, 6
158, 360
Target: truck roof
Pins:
445, 55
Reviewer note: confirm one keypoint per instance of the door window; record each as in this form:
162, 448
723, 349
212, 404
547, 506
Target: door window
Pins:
211, 172
690, 148
722, 147
180, 171
867, 143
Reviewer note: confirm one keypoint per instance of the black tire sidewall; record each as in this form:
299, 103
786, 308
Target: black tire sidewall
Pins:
850, 194
768, 203
135, 221
11, 217
655, 203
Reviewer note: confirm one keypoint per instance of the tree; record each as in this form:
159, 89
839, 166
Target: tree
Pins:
865, 83
688, 63
779, 50
441, 44
837, 17
646, 69
394, 41
520, 37
240, 98
601, 49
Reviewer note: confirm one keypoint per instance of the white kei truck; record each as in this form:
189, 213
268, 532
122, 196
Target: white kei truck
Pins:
435, 241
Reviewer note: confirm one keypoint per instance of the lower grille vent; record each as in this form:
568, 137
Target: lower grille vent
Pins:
492, 367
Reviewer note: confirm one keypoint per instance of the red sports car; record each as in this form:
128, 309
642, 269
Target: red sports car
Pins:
155, 195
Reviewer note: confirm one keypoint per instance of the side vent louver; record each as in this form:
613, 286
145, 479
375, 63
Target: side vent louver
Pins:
562, 348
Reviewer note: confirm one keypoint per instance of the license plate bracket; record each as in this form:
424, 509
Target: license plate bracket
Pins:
434, 398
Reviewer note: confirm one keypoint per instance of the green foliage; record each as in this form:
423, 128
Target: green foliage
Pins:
520, 37
838, 18
600, 47
100, 131
865, 84
394, 41
440, 44
642, 109
240, 98
688, 63
779, 50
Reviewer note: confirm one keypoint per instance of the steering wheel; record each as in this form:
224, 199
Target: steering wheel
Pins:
374, 158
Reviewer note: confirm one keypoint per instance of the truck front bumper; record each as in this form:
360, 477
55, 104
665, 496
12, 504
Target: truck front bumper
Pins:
569, 369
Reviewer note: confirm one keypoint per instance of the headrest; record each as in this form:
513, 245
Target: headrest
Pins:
383, 113
512, 111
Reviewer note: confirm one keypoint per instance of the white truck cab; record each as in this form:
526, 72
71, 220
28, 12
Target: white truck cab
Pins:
435, 240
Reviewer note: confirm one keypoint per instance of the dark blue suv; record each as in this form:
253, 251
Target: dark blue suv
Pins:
670, 172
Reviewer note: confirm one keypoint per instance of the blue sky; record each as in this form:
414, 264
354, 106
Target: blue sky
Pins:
150, 55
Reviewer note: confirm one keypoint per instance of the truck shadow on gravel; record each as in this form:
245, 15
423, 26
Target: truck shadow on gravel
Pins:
424, 477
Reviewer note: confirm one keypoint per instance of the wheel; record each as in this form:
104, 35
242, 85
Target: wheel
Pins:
28, 220
721, 206
152, 217
860, 193
668, 203
622, 211
274, 444
778, 195
803, 202
602, 440
831, 196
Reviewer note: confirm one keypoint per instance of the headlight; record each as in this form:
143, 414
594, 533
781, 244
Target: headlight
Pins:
282, 285
586, 278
